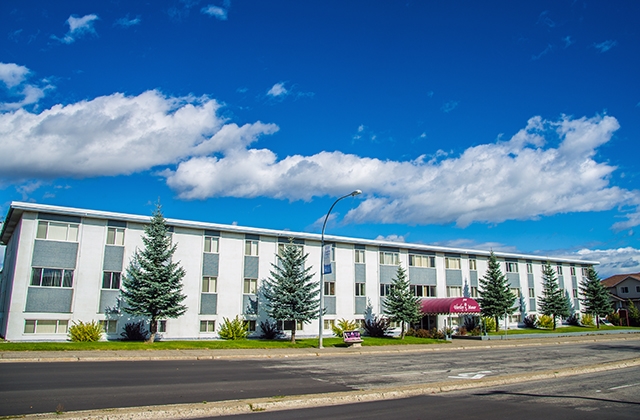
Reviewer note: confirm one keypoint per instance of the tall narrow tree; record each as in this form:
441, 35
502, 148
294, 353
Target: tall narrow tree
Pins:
596, 299
495, 298
290, 293
553, 301
401, 305
152, 286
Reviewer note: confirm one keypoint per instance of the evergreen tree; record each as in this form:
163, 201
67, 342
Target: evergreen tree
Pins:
596, 299
290, 293
634, 313
401, 305
553, 302
495, 298
152, 286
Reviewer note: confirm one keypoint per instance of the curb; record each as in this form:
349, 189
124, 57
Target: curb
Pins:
231, 407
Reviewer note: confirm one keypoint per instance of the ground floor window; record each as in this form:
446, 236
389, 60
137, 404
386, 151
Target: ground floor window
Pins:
454, 291
474, 292
329, 288
514, 318
162, 326
360, 289
328, 323
46, 326
110, 326
423, 291
250, 324
385, 289
288, 325
207, 326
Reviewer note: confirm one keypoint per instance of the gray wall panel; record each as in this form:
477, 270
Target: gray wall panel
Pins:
108, 299
361, 273
473, 279
561, 281
210, 264
387, 273
453, 277
54, 254
330, 305
531, 281
532, 305
361, 305
113, 258
251, 267
422, 275
49, 299
208, 304
513, 279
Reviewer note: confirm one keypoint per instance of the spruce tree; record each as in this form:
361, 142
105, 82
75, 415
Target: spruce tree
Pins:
290, 293
401, 305
152, 286
553, 301
495, 298
596, 299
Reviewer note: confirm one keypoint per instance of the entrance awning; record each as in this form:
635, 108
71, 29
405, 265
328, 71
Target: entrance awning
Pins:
446, 306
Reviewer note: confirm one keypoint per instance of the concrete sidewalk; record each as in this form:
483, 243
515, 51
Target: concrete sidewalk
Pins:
207, 354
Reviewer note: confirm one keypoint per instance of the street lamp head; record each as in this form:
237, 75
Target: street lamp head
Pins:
356, 192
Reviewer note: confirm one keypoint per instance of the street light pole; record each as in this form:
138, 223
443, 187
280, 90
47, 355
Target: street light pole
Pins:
324, 225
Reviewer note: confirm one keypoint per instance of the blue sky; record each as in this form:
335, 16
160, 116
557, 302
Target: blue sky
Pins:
500, 124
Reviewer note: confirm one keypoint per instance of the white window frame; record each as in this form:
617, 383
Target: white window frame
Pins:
63, 273
529, 268
389, 258
110, 326
162, 325
385, 289
559, 270
361, 289
423, 290
456, 289
516, 291
207, 325
329, 288
419, 260
250, 286
473, 291
211, 244
359, 256
452, 263
207, 281
251, 247
112, 275
572, 270
44, 231
31, 326
250, 324
328, 324
115, 236
473, 264
511, 267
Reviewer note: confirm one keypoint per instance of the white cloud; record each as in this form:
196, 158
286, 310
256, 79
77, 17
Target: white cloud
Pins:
391, 238
278, 90
522, 178
215, 11
116, 134
612, 261
78, 26
126, 22
605, 45
12, 74
449, 106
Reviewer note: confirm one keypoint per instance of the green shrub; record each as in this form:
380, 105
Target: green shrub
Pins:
530, 321
90, 331
614, 318
587, 320
344, 325
134, 331
270, 330
634, 313
545, 321
378, 326
462, 331
574, 319
471, 322
234, 329
489, 323
476, 331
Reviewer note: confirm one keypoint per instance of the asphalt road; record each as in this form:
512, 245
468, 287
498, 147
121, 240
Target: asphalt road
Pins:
45, 387
601, 396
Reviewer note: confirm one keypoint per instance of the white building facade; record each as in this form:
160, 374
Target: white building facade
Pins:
66, 264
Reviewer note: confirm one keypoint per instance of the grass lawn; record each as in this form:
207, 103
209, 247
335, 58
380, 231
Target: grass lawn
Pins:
208, 344
561, 330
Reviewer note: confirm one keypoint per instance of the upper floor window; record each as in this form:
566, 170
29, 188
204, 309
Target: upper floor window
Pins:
559, 269
329, 288
572, 270
474, 292
473, 266
452, 263
251, 247
529, 268
585, 270
422, 290
57, 231
250, 286
209, 284
389, 258
110, 280
359, 256
360, 289
454, 291
422, 261
51, 277
624, 289
385, 289
115, 236
515, 291
638, 289
282, 246
512, 267
211, 244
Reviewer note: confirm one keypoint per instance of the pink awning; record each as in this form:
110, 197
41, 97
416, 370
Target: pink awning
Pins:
455, 305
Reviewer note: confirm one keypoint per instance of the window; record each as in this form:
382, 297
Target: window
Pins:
532, 292
572, 270
51, 277
452, 263
328, 324
559, 269
162, 326
57, 231
585, 270
209, 285
624, 289
422, 261
514, 318
360, 289
251, 247
512, 267
389, 258
395, 324
473, 266
46, 326
250, 286
423, 291
515, 291
110, 326
207, 326
454, 291
211, 244
359, 256
529, 268
299, 247
329, 288
638, 289
474, 292
250, 324
110, 280
288, 325
575, 293
385, 289
115, 236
